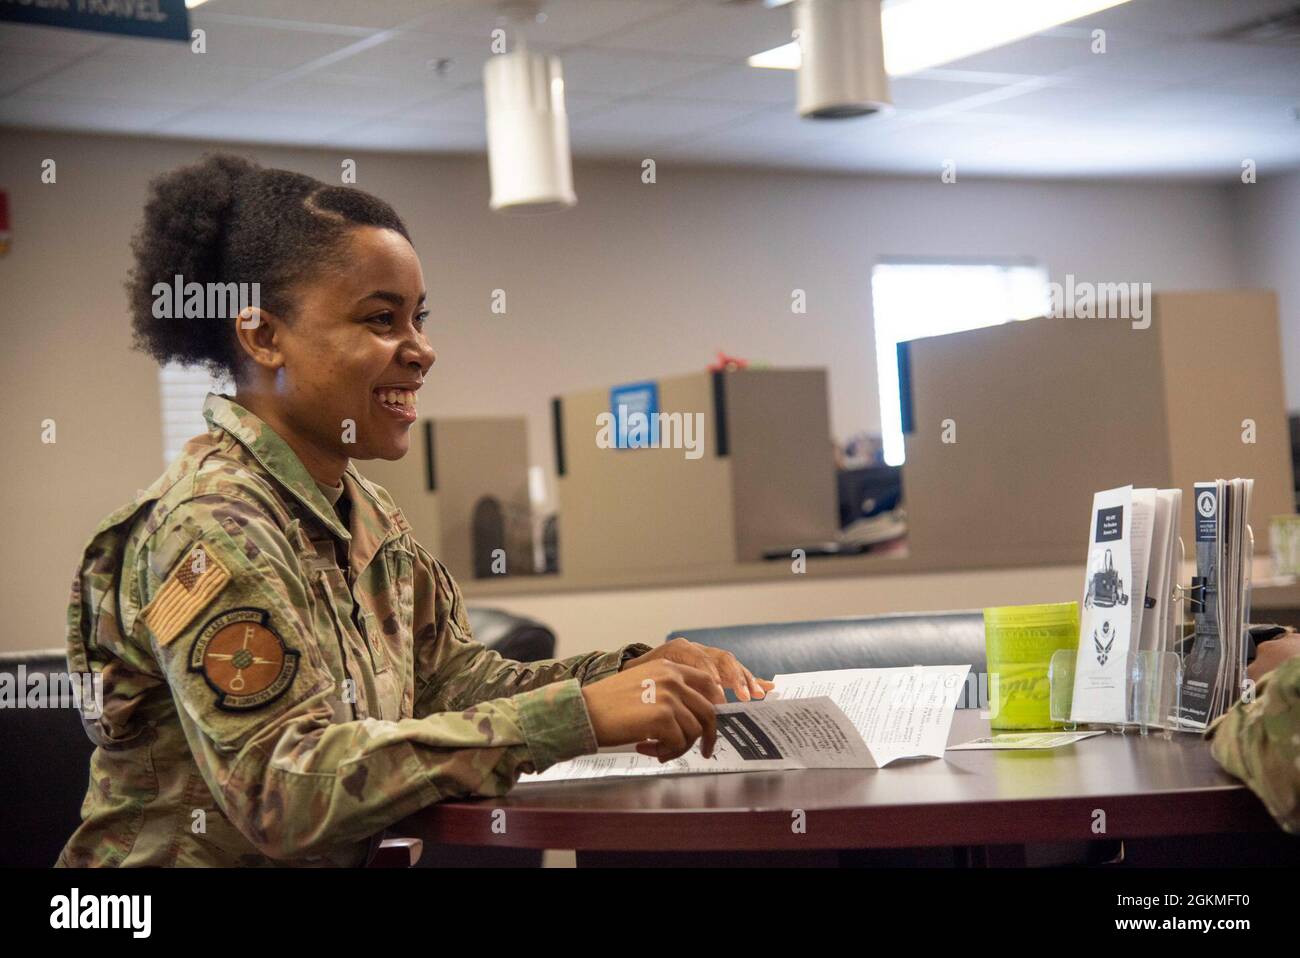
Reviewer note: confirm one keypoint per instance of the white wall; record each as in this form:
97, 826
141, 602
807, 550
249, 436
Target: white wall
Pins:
1267, 215
638, 281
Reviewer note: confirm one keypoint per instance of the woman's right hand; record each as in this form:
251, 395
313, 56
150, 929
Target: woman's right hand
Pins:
660, 700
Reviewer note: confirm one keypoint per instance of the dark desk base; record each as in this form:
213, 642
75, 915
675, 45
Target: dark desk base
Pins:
1269, 849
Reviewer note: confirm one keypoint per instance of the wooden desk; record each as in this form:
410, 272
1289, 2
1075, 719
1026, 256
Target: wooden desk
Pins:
1146, 786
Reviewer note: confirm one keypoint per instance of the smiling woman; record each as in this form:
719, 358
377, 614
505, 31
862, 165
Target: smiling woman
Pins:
285, 670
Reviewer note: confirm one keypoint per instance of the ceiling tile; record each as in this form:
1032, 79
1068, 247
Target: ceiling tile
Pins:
782, 128
731, 31
915, 93
437, 137
91, 114
1176, 62
564, 22
188, 79
619, 73
658, 116
18, 68
263, 126
412, 57
1182, 18
56, 40
236, 44
666, 78
324, 92
738, 82
389, 13
1037, 55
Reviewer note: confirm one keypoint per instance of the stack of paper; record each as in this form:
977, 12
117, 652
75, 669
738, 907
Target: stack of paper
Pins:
1214, 673
850, 718
1127, 595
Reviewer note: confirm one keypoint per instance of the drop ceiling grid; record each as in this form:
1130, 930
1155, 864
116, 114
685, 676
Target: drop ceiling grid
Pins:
670, 75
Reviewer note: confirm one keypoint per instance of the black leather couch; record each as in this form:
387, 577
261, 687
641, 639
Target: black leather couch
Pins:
872, 642
45, 757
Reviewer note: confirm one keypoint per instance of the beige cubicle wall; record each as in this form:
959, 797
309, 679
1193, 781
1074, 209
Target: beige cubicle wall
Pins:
755, 470
1014, 427
451, 465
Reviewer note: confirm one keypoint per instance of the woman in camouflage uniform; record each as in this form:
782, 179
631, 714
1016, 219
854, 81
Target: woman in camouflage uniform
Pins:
285, 670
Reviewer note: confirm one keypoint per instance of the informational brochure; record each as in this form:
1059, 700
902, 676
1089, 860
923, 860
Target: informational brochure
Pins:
1215, 669
1159, 606
1128, 595
1107, 619
1023, 740
849, 718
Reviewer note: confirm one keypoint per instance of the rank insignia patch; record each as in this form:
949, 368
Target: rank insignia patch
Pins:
243, 660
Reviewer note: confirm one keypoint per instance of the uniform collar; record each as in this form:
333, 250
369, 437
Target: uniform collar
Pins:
275, 456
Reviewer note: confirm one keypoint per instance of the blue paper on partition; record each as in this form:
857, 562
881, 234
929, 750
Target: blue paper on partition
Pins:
635, 408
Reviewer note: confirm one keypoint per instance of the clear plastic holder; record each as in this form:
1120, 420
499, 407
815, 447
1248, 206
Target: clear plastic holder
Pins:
1155, 678
1156, 675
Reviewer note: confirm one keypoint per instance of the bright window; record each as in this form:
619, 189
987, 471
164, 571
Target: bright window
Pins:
183, 391
913, 298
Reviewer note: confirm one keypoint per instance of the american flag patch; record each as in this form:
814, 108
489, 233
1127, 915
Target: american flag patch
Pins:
196, 581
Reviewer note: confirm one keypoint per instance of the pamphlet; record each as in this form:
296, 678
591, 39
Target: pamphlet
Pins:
1107, 622
1128, 596
849, 718
1023, 740
1214, 673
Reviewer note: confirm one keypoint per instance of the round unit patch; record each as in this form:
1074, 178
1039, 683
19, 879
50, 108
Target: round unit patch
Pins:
243, 660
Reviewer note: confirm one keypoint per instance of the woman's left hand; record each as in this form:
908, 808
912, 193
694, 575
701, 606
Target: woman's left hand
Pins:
722, 665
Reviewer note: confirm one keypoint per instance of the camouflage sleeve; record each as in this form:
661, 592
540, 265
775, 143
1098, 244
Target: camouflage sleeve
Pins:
453, 671
1259, 743
265, 721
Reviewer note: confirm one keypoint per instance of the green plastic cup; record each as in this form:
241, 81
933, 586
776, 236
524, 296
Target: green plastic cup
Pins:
1018, 642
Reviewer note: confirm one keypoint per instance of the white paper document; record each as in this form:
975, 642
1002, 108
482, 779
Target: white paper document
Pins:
850, 718
1111, 609
1023, 740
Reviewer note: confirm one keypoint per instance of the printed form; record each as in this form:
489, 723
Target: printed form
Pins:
848, 718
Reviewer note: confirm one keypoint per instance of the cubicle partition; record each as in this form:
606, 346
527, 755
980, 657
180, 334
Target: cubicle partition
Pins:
743, 463
1012, 428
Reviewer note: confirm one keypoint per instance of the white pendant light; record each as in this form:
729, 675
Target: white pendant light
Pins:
527, 133
842, 69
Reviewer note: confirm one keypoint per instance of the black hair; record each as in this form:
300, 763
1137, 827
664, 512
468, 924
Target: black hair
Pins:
225, 219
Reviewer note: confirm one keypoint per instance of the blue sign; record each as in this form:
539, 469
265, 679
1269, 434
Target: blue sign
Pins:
635, 408
161, 19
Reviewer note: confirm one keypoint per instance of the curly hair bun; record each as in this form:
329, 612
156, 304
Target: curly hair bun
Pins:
225, 220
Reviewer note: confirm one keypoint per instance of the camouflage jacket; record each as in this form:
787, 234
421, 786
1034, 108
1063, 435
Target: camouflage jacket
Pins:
276, 688
1259, 743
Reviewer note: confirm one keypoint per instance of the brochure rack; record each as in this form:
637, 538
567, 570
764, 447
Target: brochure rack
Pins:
1155, 676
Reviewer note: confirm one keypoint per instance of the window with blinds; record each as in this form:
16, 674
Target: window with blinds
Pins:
183, 391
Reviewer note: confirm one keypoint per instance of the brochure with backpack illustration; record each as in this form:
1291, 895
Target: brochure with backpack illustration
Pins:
1215, 668
1128, 584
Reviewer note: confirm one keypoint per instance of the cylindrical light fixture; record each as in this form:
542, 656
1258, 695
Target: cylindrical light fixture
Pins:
842, 69
527, 133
